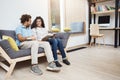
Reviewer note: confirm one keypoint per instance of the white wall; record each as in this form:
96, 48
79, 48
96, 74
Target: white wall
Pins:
79, 39
11, 11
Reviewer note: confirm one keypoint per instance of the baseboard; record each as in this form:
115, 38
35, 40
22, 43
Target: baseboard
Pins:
78, 47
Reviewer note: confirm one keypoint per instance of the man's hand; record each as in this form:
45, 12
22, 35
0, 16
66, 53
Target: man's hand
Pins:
32, 37
21, 38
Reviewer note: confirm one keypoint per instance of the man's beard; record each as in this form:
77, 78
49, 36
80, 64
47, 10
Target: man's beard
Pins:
27, 26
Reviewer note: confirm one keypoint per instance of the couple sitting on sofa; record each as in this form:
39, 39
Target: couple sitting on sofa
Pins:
33, 38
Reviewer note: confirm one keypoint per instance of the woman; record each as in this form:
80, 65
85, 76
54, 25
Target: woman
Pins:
40, 32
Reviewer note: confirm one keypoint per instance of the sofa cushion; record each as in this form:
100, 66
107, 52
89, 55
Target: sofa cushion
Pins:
11, 41
16, 54
24, 52
8, 33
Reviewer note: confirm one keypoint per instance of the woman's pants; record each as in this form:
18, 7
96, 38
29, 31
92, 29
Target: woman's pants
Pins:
56, 43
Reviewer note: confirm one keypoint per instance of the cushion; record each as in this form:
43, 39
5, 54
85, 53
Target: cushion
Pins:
23, 53
11, 41
8, 33
67, 29
77, 27
64, 37
55, 29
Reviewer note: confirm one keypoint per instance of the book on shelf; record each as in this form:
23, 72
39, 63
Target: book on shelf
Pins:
93, 9
110, 8
105, 8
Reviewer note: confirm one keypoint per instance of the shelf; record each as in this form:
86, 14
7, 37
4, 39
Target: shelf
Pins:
104, 12
101, 1
107, 28
118, 28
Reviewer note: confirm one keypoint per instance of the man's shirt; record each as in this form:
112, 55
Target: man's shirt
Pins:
25, 32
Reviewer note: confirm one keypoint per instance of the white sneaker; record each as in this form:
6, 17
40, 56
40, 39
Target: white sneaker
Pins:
36, 70
53, 67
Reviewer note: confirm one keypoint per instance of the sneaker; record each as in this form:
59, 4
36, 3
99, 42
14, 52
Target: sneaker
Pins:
66, 62
36, 70
52, 67
58, 64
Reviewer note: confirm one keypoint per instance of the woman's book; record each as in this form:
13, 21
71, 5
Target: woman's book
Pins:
48, 37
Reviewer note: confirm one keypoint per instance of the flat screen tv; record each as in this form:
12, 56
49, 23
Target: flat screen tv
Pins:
104, 21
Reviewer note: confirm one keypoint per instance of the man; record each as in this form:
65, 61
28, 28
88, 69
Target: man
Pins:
25, 39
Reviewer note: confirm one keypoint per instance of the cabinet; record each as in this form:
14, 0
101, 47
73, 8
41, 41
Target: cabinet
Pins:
93, 12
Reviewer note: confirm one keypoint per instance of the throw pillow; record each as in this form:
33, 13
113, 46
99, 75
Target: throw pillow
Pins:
11, 41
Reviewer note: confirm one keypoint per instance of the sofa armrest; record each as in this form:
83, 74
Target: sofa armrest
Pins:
64, 37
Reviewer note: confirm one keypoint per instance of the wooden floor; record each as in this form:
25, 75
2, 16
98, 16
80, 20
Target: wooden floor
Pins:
95, 63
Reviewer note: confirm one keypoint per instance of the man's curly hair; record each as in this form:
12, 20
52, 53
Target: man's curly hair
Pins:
24, 18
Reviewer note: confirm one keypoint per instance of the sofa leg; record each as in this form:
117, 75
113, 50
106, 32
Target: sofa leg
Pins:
9, 72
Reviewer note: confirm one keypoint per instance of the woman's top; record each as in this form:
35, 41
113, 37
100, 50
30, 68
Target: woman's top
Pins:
40, 33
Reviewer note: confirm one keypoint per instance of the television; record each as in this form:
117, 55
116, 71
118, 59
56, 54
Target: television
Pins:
104, 21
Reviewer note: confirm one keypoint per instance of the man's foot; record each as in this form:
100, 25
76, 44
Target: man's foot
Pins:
66, 62
36, 70
52, 67
58, 64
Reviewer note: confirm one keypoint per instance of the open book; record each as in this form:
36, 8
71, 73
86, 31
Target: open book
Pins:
48, 37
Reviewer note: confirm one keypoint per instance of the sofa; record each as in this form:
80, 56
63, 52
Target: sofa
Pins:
12, 56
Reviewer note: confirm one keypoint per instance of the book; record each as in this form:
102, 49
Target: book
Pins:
104, 8
48, 37
110, 8
99, 8
93, 9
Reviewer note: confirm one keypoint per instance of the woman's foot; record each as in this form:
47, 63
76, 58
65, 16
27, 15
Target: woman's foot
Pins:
58, 64
65, 61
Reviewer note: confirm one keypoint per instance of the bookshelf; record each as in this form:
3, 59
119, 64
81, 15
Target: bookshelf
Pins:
94, 10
